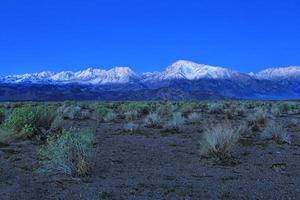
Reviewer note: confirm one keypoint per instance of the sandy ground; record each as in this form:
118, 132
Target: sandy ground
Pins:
153, 164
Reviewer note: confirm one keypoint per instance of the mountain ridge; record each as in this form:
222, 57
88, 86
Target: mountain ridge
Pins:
182, 80
181, 69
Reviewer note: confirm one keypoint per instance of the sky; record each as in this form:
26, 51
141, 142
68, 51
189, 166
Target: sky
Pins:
147, 35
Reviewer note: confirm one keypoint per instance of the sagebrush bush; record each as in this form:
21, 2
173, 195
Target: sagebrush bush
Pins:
176, 122
194, 118
276, 132
110, 116
153, 120
166, 109
69, 153
259, 117
218, 140
131, 115
216, 108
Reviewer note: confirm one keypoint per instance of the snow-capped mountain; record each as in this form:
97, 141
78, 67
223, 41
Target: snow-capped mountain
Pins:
279, 73
88, 76
179, 70
188, 70
181, 80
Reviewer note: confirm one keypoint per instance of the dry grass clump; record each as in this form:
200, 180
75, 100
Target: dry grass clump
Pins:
131, 115
258, 118
176, 122
275, 131
216, 108
166, 109
153, 120
110, 116
218, 140
194, 118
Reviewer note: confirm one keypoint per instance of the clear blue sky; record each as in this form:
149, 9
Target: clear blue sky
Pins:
37, 35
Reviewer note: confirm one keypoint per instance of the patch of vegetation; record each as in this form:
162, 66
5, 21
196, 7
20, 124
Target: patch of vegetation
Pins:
176, 122
216, 108
131, 115
194, 118
275, 131
110, 116
138, 107
284, 107
2, 115
69, 153
153, 120
101, 111
29, 120
218, 140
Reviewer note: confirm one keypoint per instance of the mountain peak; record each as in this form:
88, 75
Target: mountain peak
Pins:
279, 73
183, 69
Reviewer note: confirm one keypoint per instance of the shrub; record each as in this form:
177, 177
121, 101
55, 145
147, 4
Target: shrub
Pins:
176, 122
166, 109
131, 115
6, 136
284, 107
2, 115
69, 153
194, 117
275, 112
23, 119
153, 120
110, 116
100, 112
46, 114
276, 132
215, 108
138, 107
218, 140
259, 117
57, 124
240, 112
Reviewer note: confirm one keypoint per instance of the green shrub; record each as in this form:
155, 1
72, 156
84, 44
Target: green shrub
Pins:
22, 119
101, 111
139, 107
2, 115
30, 120
69, 153
284, 107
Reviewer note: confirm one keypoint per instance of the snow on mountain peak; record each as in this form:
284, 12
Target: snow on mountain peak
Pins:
183, 69
179, 70
290, 72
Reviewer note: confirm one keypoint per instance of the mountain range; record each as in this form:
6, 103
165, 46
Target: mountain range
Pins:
182, 80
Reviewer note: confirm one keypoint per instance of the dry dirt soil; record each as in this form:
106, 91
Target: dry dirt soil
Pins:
154, 164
